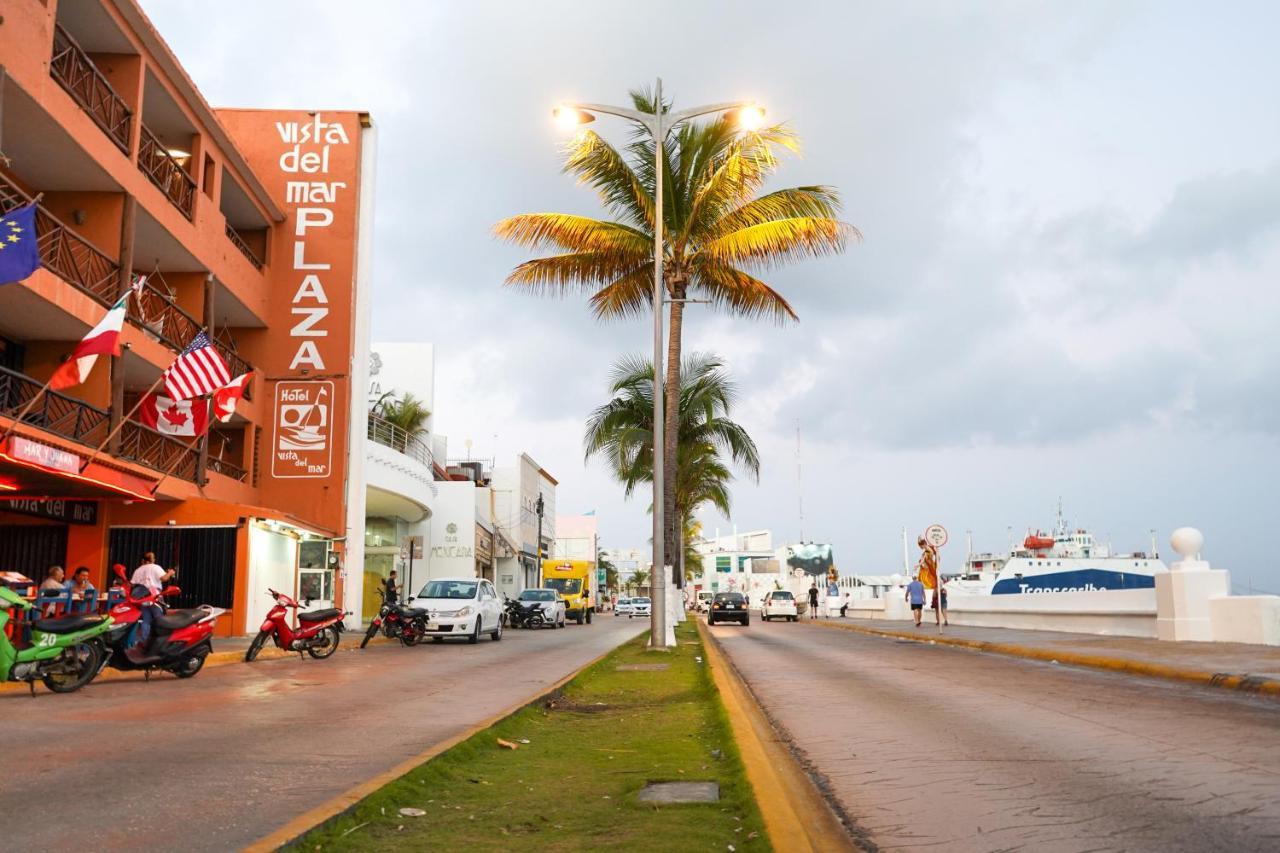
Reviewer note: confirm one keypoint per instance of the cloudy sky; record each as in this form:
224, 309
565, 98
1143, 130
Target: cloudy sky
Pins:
1067, 286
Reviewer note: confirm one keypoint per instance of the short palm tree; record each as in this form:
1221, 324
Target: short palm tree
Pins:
621, 431
718, 230
638, 579
408, 413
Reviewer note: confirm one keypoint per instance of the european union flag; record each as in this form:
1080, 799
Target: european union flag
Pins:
19, 250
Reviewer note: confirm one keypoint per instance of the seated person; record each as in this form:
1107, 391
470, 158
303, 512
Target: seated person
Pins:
79, 584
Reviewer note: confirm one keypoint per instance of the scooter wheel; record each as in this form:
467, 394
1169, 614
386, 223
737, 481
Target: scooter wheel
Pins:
189, 666
320, 652
369, 635
77, 667
256, 646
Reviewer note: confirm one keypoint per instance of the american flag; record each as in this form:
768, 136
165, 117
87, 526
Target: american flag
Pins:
198, 370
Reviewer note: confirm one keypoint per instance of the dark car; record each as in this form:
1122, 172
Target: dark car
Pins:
729, 607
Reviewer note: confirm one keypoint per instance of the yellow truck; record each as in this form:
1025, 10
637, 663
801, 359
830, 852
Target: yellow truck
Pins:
571, 579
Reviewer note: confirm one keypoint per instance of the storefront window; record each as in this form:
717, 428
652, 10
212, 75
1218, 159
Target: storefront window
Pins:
315, 578
380, 533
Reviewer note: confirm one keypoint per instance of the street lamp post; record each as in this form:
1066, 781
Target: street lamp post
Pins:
659, 126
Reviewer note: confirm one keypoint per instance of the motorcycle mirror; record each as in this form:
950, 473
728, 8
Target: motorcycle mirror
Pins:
120, 573
171, 590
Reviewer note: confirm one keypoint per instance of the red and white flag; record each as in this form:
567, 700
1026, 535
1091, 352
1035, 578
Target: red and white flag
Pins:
199, 370
184, 418
103, 339
226, 397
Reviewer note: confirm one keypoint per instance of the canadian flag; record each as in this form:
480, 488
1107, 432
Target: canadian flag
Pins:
182, 417
225, 398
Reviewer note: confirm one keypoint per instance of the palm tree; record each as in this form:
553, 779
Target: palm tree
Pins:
622, 431
718, 230
407, 413
638, 579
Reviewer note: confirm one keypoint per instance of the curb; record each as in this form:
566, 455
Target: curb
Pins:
1256, 684
796, 815
309, 820
215, 659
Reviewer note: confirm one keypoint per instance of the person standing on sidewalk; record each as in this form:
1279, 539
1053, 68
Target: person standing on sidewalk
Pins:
915, 595
813, 600
153, 577
940, 612
391, 588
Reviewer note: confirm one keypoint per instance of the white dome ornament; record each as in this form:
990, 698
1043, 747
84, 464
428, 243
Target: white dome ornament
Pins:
1187, 542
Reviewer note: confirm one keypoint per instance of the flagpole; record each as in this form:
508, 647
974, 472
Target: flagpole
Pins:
123, 421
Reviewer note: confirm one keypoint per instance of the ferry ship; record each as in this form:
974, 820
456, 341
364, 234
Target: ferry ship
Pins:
1064, 573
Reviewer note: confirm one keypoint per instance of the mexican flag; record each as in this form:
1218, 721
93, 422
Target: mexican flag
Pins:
103, 339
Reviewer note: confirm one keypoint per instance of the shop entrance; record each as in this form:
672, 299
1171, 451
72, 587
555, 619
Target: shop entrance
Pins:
32, 548
205, 558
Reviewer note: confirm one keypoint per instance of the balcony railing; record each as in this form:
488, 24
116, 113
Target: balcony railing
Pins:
157, 312
234, 236
235, 364
388, 434
228, 469
73, 68
158, 164
54, 412
145, 446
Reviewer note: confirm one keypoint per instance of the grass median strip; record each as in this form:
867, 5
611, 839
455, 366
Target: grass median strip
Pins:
574, 779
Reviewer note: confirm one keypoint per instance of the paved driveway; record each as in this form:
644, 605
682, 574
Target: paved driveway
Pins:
934, 748
221, 760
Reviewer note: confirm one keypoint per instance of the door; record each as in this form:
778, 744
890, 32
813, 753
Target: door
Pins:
489, 606
205, 558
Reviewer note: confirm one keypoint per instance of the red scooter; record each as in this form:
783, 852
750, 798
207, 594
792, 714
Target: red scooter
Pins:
317, 633
180, 639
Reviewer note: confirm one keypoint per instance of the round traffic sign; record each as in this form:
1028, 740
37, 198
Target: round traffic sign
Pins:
935, 535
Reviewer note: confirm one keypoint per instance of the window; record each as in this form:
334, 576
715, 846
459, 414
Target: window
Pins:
564, 586
461, 590
780, 596
537, 595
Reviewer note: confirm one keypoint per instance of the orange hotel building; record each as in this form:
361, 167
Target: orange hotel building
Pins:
253, 226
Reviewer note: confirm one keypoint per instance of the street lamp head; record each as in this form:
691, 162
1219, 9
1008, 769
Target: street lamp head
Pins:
570, 117
750, 117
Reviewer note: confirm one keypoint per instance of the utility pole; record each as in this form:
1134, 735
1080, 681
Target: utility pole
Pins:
540, 507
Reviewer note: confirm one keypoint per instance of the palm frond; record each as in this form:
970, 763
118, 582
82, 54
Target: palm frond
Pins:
560, 273
599, 165
778, 241
741, 293
573, 233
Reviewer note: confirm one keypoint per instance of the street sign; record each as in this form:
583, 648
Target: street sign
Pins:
935, 535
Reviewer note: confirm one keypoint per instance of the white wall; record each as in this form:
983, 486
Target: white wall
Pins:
273, 564
453, 531
406, 367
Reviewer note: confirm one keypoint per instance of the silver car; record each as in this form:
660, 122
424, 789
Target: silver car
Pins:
553, 609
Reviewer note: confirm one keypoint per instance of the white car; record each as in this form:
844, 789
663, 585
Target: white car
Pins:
552, 605
639, 607
779, 604
460, 607
623, 607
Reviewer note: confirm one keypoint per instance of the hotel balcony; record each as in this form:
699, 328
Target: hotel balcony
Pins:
71, 66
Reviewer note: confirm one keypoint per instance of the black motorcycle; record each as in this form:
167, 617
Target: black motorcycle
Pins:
522, 614
396, 621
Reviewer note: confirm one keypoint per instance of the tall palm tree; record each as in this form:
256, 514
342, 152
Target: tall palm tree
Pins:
718, 231
621, 431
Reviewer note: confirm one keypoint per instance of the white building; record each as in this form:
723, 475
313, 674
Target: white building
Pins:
740, 562
628, 561
402, 495
524, 520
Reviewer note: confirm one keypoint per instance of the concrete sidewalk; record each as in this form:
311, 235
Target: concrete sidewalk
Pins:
1238, 666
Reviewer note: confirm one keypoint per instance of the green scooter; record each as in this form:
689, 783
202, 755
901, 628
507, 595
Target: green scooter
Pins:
66, 652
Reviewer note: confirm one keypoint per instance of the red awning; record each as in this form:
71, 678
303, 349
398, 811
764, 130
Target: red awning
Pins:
37, 469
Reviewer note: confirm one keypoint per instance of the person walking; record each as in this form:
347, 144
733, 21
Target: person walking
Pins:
813, 600
940, 611
915, 596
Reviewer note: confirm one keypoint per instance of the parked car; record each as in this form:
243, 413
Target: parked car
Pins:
623, 607
553, 610
729, 607
639, 607
460, 607
779, 604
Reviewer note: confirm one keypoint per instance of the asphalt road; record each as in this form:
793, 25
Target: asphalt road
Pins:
221, 760
935, 748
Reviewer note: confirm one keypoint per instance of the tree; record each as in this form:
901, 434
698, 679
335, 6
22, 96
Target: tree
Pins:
408, 413
621, 431
718, 231
610, 570
638, 580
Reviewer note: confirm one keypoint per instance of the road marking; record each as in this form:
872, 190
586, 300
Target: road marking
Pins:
796, 815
